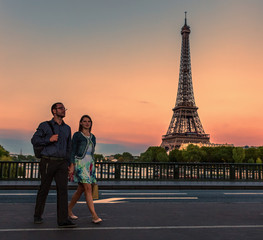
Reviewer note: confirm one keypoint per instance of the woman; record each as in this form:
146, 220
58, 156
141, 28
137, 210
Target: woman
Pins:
82, 164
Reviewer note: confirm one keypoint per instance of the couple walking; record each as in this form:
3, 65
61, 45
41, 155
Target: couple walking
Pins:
60, 158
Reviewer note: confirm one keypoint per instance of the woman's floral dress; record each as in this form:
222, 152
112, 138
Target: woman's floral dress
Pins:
85, 171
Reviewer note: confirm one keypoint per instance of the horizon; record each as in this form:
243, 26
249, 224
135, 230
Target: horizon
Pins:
118, 61
107, 155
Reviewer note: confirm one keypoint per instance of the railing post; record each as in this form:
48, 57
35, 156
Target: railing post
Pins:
176, 171
155, 172
117, 171
232, 172
9, 174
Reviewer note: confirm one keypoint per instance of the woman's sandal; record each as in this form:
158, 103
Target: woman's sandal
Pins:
73, 217
96, 221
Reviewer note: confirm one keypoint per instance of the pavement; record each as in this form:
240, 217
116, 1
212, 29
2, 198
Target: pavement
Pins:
140, 214
138, 210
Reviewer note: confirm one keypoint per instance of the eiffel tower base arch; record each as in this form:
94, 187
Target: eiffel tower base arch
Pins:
174, 141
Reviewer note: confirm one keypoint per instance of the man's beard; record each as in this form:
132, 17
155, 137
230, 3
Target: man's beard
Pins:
61, 115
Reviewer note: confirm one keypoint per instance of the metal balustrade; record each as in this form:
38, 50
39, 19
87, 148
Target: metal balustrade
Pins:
21, 170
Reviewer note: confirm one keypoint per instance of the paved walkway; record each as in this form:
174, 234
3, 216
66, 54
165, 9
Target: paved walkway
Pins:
142, 219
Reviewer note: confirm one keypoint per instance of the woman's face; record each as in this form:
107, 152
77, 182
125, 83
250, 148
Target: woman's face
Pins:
85, 123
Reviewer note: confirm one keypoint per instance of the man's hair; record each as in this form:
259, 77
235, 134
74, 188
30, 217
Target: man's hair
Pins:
54, 106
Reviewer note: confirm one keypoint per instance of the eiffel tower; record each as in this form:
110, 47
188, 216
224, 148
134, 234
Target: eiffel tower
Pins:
185, 126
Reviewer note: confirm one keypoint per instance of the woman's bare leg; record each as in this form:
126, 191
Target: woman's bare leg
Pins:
89, 200
76, 196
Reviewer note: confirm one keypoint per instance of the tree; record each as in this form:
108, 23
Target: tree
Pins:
209, 156
146, 156
127, 156
260, 152
162, 157
259, 161
175, 156
121, 159
117, 156
22, 157
4, 154
151, 155
223, 154
98, 157
193, 154
238, 154
251, 153
25, 158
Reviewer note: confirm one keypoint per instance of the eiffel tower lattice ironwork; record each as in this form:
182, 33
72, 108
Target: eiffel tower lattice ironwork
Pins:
185, 126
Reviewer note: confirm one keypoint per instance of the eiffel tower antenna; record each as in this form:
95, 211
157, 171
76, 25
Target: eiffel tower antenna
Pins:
185, 125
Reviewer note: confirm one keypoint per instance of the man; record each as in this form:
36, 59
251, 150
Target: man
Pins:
55, 137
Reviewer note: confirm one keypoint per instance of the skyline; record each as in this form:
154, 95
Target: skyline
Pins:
118, 61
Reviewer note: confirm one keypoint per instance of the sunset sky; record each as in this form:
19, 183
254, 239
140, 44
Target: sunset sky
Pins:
118, 61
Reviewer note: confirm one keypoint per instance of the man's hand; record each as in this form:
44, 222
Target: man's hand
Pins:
54, 138
71, 169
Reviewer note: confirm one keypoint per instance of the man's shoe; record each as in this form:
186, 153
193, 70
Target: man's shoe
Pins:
67, 224
38, 220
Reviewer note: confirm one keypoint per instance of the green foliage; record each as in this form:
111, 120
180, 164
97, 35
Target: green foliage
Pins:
193, 154
22, 157
117, 156
260, 152
31, 158
5, 158
238, 154
147, 156
121, 159
223, 154
98, 157
162, 157
251, 153
218, 154
154, 154
259, 161
15, 158
175, 156
25, 158
210, 152
3, 153
127, 157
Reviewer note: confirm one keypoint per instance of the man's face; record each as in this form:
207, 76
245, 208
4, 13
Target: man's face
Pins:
60, 111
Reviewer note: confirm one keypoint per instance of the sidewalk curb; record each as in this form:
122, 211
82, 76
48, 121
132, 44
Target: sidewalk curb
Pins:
144, 185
